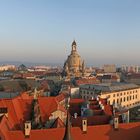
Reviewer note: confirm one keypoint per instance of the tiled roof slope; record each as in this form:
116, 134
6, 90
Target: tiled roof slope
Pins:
101, 132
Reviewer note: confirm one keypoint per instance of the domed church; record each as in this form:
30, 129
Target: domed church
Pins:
74, 66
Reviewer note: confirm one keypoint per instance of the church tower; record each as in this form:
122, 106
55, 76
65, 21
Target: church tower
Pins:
74, 66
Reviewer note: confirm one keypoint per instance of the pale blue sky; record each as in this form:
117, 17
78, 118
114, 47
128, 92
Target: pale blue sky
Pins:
106, 31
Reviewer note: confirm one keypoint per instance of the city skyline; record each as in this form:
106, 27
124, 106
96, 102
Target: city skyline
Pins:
106, 32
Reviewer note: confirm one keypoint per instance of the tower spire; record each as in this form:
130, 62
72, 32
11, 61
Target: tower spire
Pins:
68, 135
74, 46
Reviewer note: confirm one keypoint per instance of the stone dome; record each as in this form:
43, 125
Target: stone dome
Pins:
73, 64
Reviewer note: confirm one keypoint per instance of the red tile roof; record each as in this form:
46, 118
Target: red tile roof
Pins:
101, 132
47, 106
58, 123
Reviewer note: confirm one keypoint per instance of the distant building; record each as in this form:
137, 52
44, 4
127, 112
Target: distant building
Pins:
54, 76
119, 94
86, 80
109, 68
108, 78
7, 67
130, 69
22, 68
74, 66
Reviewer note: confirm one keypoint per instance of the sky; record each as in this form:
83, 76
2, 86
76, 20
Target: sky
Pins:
41, 31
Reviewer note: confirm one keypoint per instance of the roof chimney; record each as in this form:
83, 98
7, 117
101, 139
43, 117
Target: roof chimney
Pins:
75, 115
116, 123
27, 128
102, 106
84, 125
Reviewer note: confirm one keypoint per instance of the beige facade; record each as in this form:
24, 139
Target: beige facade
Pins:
7, 67
109, 68
127, 98
123, 97
56, 114
74, 66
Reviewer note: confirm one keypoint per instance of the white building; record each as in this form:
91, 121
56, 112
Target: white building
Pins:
120, 94
126, 68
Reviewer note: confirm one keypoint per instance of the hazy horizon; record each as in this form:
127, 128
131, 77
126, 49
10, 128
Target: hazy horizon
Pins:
106, 32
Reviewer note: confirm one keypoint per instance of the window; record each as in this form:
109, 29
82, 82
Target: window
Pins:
84, 123
27, 126
124, 99
127, 98
117, 100
136, 96
113, 95
109, 102
113, 101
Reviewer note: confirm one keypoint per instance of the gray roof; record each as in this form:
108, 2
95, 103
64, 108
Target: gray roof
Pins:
114, 87
8, 95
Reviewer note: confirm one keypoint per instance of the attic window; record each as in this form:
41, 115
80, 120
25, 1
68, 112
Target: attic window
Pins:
27, 127
84, 123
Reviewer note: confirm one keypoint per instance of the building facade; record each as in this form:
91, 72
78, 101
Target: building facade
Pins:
118, 94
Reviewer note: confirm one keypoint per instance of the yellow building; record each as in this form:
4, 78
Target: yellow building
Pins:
74, 66
119, 94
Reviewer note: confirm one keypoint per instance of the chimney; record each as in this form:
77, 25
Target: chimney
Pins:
27, 128
100, 102
84, 125
116, 123
88, 105
102, 107
82, 111
75, 115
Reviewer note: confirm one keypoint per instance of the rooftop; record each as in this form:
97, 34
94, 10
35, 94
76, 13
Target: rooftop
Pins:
112, 87
102, 132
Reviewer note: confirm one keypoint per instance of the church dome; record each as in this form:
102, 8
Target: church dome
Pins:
74, 60
73, 64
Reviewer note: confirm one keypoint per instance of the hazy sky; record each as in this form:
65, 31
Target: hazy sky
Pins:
106, 31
